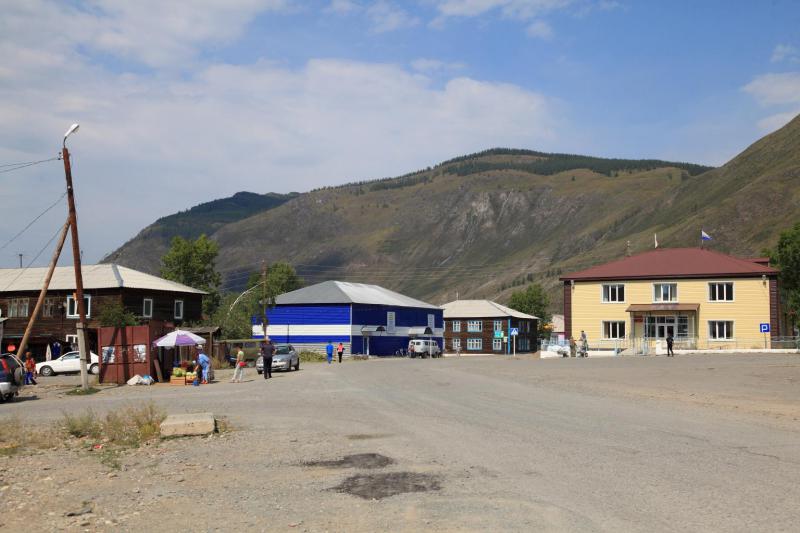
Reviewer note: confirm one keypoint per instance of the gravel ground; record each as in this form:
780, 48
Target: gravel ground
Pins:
706, 442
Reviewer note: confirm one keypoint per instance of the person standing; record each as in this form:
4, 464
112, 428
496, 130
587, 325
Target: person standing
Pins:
30, 369
340, 351
267, 352
573, 347
329, 352
238, 371
584, 344
204, 361
670, 342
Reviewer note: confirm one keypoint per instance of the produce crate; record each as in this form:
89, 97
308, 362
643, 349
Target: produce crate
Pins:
173, 380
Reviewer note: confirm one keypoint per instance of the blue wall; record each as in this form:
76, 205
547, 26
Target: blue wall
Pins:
375, 315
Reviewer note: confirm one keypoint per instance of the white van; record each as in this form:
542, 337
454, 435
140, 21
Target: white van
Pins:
423, 348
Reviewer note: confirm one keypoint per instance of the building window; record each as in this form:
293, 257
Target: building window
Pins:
683, 327
72, 308
147, 308
613, 329
474, 344
432, 321
720, 329
720, 292
72, 340
497, 345
18, 307
474, 326
390, 322
456, 326
456, 344
50, 307
614, 293
665, 292
178, 309
497, 325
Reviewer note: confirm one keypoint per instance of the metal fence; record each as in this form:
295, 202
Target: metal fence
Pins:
646, 346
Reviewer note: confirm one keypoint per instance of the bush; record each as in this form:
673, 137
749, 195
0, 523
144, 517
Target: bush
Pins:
84, 425
307, 356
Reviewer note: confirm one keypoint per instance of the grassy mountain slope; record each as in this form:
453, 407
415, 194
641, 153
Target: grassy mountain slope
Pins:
145, 250
482, 224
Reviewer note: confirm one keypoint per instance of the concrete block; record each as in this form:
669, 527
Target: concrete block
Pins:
188, 424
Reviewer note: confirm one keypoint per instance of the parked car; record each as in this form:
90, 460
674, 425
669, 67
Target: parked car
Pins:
285, 358
251, 348
424, 348
12, 377
69, 362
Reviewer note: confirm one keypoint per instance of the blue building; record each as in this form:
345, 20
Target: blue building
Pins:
367, 319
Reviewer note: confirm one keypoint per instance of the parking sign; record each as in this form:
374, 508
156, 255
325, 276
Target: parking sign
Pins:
764, 327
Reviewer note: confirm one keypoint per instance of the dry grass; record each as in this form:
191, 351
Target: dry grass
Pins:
128, 427
18, 436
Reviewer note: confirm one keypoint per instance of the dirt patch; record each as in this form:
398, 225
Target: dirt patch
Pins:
367, 436
379, 486
359, 460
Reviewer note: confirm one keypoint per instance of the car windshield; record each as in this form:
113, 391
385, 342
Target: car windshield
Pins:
281, 349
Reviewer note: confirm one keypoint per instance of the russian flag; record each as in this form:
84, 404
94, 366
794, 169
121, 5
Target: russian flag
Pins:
705, 236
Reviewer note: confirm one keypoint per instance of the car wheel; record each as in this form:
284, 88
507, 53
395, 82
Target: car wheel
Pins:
94, 369
297, 365
260, 372
46, 371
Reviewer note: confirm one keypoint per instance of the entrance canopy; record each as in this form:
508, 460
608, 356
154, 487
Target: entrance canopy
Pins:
644, 308
372, 329
420, 330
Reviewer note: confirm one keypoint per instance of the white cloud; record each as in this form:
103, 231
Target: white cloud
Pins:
342, 6
155, 142
385, 16
430, 66
785, 52
776, 90
540, 29
519, 9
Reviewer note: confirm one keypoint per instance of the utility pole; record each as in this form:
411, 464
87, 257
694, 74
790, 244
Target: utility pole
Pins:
264, 320
76, 259
20, 260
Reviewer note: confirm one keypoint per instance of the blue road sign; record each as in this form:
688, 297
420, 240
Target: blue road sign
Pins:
764, 327
513, 332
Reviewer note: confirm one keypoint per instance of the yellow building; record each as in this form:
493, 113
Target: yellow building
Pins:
703, 299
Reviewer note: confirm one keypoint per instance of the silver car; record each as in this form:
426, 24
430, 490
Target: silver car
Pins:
285, 358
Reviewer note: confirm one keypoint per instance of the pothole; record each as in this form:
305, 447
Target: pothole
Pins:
359, 460
379, 486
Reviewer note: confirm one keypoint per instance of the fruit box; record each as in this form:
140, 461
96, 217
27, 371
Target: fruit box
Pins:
173, 380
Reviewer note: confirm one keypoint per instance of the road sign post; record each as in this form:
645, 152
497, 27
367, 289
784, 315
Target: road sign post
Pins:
764, 328
513, 332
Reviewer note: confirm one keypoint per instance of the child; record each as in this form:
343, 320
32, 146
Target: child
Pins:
30, 369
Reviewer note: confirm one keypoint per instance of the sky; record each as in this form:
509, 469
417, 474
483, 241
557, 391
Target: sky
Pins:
183, 102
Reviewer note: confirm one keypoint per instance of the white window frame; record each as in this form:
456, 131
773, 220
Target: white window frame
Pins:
87, 298
497, 345
455, 326
16, 306
607, 329
715, 290
145, 314
472, 328
178, 316
732, 333
495, 324
606, 293
657, 294
456, 344
475, 344
391, 321
49, 307
70, 340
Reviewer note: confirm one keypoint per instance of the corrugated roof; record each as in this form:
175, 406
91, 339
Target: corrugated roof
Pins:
342, 292
481, 309
104, 276
664, 263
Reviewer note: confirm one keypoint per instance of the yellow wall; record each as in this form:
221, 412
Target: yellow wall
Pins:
749, 308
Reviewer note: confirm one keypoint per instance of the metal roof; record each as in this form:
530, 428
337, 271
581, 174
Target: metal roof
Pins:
342, 292
481, 309
104, 276
666, 263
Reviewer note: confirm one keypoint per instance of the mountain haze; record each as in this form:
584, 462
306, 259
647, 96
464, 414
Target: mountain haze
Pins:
481, 224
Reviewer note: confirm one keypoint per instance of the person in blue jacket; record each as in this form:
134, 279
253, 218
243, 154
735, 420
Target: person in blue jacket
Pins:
205, 363
329, 352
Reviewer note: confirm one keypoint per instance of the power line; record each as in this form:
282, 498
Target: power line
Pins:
32, 222
22, 271
17, 166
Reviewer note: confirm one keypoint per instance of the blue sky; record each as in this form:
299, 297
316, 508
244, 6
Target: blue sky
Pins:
180, 103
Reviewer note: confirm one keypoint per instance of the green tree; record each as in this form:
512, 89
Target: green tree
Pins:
117, 316
786, 256
191, 262
533, 300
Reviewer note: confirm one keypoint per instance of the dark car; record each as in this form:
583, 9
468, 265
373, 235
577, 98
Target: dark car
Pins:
12, 376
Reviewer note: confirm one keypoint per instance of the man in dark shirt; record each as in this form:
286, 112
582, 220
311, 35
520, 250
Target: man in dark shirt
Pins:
670, 342
267, 351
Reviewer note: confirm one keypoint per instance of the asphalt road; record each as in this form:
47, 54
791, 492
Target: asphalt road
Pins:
700, 443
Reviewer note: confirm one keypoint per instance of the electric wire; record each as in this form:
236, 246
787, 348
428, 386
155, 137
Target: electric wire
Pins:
18, 166
32, 222
22, 271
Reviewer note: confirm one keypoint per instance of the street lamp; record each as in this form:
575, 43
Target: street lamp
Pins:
76, 259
